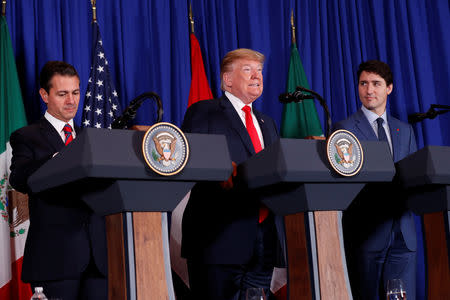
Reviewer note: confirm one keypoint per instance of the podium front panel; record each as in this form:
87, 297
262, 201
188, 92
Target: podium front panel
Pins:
117, 154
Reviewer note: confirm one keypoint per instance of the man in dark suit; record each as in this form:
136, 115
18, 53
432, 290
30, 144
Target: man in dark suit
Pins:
65, 250
379, 232
229, 238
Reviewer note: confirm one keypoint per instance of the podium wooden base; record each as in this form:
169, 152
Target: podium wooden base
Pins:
138, 256
316, 257
437, 251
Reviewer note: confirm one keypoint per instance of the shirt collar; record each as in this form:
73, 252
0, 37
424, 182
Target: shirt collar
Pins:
236, 102
57, 123
372, 117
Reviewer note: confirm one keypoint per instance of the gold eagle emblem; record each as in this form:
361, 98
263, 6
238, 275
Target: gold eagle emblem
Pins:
165, 146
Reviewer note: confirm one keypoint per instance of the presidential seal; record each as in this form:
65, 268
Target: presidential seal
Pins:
345, 153
165, 149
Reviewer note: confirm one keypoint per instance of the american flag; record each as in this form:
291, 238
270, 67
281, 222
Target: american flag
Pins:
101, 103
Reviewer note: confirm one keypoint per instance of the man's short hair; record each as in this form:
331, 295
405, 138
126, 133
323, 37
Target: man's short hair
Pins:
232, 56
378, 67
51, 68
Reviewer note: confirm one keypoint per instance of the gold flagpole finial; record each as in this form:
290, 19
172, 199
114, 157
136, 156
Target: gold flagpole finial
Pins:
292, 26
94, 11
191, 18
3, 7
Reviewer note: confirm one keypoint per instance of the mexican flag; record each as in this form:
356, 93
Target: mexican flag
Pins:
300, 120
14, 219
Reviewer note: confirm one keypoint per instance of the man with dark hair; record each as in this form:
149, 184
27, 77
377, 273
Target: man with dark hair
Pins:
65, 250
229, 238
379, 232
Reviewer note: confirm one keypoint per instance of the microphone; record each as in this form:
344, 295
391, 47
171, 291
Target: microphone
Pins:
296, 96
130, 112
430, 114
417, 117
301, 94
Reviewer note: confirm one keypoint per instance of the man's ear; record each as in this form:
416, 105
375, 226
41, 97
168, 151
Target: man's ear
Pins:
390, 88
227, 79
44, 95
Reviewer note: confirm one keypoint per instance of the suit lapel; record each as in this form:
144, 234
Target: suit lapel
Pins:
236, 123
364, 127
51, 135
267, 136
395, 136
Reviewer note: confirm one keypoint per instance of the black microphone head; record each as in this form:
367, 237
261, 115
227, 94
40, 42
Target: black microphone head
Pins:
285, 98
417, 117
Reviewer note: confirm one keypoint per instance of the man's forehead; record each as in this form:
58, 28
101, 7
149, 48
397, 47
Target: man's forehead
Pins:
64, 80
370, 76
248, 62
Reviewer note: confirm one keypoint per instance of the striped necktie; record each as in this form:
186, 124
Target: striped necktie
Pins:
68, 133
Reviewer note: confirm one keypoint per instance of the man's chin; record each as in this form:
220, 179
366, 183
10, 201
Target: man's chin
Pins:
69, 117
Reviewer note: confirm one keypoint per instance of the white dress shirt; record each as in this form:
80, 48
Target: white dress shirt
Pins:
59, 125
238, 105
372, 117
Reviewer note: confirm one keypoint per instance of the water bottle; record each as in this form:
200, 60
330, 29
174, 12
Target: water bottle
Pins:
38, 294
395, 290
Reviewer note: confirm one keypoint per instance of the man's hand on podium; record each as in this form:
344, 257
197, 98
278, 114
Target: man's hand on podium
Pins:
228, 184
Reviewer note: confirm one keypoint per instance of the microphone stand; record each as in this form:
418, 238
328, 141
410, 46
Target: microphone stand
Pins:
430, 114
130, 112
299, 95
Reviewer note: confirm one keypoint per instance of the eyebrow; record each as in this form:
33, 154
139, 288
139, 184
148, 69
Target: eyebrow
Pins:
66, 91
370, 81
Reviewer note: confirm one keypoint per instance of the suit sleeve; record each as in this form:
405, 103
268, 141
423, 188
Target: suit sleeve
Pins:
195, 119
275, 127
23, 162
337, 126
412, 141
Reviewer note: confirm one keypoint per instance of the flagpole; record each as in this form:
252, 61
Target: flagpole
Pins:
292, 27
191, 18
3, 7
94, 11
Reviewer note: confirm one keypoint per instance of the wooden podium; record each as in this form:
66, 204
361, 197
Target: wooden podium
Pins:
294, 176
108, 168
427, 175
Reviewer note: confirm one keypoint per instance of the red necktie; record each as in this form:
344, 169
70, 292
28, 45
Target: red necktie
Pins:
263, 210
68, 133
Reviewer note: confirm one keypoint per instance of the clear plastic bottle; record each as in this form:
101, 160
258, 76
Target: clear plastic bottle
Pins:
38, 294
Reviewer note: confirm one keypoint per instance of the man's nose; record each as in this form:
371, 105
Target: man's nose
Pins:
256, 74
70, 99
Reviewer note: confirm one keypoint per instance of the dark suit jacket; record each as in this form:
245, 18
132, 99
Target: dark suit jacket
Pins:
63, 231
219, 227
369, 218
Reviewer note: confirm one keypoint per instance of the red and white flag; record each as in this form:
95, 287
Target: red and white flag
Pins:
199, 90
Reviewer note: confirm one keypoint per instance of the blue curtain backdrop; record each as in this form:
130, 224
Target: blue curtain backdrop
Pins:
147, 45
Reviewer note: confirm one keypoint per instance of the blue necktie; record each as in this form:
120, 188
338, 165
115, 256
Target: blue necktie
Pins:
382, 133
